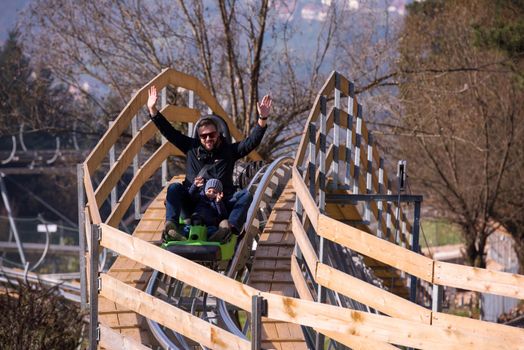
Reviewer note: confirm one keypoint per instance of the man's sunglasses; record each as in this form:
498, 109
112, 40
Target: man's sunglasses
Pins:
211, 135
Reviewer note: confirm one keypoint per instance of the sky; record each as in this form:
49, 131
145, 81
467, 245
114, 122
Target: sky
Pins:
8, 15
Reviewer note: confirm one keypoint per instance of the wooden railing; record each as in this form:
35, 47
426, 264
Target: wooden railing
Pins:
443, 333
407, 324
435, 272
338, 151
97, 196
98, 193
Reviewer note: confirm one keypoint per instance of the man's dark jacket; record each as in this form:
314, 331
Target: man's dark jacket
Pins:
220, 161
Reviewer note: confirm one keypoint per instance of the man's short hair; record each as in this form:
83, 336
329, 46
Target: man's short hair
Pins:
207, 121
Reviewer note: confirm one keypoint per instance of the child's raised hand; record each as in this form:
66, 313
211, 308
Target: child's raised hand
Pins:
220, 195
199, 181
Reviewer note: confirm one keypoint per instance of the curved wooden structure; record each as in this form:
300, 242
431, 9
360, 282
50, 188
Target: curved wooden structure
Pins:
286, 259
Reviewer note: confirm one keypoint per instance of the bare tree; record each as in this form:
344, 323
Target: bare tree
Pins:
462, 117
117, 46
240, 49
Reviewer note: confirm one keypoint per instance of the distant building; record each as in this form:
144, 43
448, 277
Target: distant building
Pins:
500, 256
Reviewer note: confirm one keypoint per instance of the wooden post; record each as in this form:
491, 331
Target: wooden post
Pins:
321, 291
380, 204
163, 103
349, 134
312, 159
336, 132
369, 176
258, 309
94, 335
111, 165
81, 236
358, 138
138, 204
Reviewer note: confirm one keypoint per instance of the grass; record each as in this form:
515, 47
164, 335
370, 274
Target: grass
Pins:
439, 232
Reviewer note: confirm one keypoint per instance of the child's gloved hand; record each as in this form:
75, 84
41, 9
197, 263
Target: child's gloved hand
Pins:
199, 181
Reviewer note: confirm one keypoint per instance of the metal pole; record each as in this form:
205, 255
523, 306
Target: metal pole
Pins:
11, 219
94, 335
81, 236
436, 298
415, 247
258, 309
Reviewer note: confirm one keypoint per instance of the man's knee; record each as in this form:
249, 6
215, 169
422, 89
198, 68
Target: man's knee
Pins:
244, 197
175, 189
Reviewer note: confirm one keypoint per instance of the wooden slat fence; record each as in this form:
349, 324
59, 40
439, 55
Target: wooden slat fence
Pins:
444, 274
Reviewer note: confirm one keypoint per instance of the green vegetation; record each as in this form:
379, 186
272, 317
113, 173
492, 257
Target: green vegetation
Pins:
439, 232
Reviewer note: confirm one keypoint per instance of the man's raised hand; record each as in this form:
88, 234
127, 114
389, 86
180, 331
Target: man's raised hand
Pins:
151, 100
264, 106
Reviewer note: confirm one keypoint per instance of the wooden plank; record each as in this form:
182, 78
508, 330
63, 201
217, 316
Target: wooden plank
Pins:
300, 282
370, 295
476, 328
113, 340
143, 174
375, 248
94, 214
326, 317
480, 280
302, 193
170, 316
180, 114
371, 326
180, 268
123, 120
124, 161
303, 242
326, 89
354, 342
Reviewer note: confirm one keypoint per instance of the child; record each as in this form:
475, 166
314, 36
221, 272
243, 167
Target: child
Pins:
209, 207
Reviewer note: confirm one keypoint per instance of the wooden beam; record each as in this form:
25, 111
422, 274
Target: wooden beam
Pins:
326, 89
375, 248
167, 76
480, 280
354, 288
170, 316
312, 314
123, 120
94, 214
482, 329
124, 160
143, 174
194, 274
113, 340
306, 200
351, 341
305, 245
363, 292
180, 114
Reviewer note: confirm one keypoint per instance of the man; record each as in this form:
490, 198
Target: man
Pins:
209, 155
